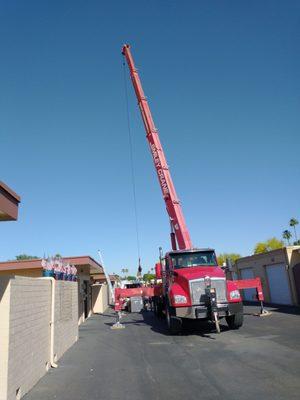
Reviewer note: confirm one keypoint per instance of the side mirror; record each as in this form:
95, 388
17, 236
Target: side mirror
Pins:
224, 267
158, 270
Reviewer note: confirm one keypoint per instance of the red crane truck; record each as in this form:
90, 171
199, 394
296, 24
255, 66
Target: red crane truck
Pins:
193, 285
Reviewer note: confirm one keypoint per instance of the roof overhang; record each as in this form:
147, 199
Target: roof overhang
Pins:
9, 203
95, 267
81, 261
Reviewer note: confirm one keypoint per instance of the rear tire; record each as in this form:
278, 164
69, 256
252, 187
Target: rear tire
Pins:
235, 321
157, 307
174, 324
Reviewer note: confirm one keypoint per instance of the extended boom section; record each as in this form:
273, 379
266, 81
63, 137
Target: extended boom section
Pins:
168, 190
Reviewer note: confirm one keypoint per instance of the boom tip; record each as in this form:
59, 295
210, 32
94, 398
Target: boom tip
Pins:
125, 46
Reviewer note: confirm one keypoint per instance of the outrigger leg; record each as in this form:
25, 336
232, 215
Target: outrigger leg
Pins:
211, 303
117, 324
217, 322
263, 311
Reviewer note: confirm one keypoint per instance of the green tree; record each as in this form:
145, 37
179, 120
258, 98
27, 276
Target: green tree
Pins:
274, 244
21, 257
148, 277
293, 223
231, 256
286, 234
124, 271
260, 247
131, 278
269, 245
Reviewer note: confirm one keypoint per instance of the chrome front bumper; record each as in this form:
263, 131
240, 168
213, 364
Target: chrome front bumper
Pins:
200, 312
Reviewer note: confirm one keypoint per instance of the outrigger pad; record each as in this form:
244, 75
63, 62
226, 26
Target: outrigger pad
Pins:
265, 313
117, 325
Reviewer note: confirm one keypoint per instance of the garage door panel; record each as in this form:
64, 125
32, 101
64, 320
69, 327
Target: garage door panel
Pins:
278, 284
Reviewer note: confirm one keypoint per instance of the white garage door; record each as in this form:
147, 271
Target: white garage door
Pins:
278, 284
249, 294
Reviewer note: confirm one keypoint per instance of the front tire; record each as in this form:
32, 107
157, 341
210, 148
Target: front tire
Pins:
174, 324
235, 321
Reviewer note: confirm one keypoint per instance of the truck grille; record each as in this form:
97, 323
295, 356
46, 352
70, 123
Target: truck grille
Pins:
198, 290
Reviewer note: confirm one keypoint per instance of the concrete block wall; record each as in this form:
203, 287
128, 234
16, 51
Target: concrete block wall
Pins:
66, 317
4, 334
29, 338
26, 303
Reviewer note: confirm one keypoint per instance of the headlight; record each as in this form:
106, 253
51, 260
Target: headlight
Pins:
235, 294
178, 299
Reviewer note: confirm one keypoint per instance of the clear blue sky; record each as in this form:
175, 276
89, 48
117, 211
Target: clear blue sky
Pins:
223, 80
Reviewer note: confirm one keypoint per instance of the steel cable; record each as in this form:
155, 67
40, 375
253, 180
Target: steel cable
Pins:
132, 166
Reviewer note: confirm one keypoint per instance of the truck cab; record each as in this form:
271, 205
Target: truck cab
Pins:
195, 287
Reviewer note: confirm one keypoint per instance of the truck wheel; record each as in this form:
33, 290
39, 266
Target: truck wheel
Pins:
160, 313
157, 307
174, 324
235, 321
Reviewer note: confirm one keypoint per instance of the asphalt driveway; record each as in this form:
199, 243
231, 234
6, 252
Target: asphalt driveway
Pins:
260, 361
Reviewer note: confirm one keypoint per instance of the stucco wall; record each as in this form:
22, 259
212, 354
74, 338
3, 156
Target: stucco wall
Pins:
27, 302
30, 272
293, 254
99, 298
257, 263
288, 256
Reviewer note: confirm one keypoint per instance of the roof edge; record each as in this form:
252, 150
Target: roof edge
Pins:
10, 191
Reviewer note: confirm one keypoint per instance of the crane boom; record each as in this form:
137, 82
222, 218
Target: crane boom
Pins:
178, 225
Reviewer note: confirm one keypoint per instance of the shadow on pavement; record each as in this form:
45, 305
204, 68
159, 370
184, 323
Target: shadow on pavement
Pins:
112, 315
275, 307
190, 327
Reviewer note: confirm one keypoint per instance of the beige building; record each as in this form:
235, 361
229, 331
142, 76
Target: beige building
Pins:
100, 279
39, 318
86, 267
279, 271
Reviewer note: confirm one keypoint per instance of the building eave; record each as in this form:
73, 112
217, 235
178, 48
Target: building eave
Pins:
95, 267
9, 203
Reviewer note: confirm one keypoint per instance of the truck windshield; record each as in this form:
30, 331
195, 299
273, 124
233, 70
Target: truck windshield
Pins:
185, 260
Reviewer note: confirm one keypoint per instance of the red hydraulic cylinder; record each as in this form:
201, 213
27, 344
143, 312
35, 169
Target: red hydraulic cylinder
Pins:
167, 187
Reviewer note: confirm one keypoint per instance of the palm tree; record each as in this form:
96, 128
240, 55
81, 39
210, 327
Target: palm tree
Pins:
124, 271
293, 223
287, 235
